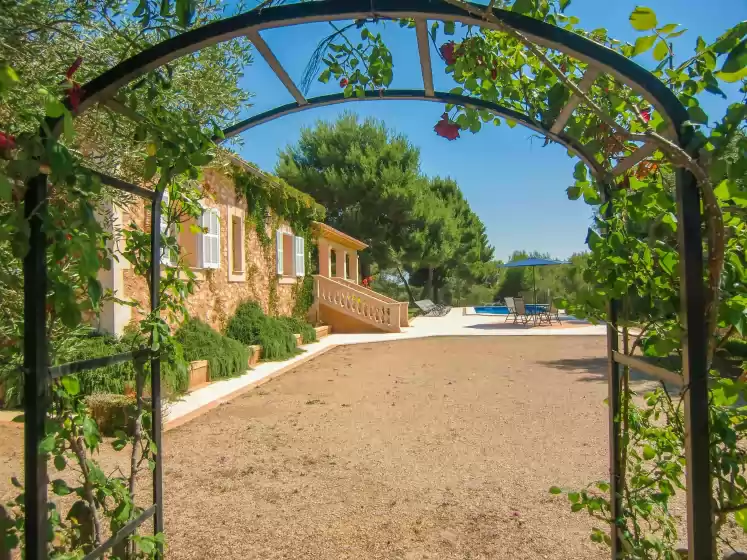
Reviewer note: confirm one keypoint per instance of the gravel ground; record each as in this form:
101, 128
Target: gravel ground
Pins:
439, 448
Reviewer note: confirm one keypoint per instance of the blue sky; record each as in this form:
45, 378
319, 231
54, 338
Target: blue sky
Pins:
516, 186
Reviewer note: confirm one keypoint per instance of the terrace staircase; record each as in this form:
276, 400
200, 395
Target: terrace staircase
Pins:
348, 307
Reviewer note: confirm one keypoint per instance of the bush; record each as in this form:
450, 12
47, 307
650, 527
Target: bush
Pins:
112, 412
299, 326
246, 323
250, 326
227, 357
112, 379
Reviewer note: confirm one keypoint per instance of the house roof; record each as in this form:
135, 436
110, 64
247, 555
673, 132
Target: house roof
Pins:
332, 234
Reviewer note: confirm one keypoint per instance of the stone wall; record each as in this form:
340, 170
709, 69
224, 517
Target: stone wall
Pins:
219, 291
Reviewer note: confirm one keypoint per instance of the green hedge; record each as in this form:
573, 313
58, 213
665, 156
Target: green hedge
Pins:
227, 357
249, 325
299, 326
108, 379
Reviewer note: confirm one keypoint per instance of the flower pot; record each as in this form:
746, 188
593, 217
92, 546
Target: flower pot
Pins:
322, 331
255, 353
199, 373
299, 339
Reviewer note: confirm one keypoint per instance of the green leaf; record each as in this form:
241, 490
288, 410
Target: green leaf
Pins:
54, 108
59, 462
697, 115
6, 189
574, 497
644, 43
725, 189
151, 165
449, 27
60, 487
522, 6
668, 262
643, 18
741, 518
661, 51
577, 507
325, 76
90, 432
579, 171
731, 78
668, 28
737, 59
555, 490
648, 452
71, 385
574, 193
47, 445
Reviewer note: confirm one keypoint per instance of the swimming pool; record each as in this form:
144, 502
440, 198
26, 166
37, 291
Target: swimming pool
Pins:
503, 310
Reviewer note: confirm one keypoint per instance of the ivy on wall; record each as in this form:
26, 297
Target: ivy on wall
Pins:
264, 193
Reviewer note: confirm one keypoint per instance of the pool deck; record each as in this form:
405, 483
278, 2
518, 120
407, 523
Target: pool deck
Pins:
459, 322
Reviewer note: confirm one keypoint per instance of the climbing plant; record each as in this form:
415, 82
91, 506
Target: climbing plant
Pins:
633, 240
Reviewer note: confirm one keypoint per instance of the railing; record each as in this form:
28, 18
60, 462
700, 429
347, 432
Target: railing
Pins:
403, 305
354, 301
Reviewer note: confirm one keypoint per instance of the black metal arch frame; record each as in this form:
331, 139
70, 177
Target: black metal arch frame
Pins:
102, 90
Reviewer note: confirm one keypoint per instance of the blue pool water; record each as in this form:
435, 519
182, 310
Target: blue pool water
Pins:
503, 310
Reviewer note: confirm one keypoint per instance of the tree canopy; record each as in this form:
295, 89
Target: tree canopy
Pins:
369, 180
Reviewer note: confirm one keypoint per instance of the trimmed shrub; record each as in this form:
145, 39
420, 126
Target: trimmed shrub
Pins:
277, 340
250, 326
299, 326
246, 323
114, 378
112, 412
226, 357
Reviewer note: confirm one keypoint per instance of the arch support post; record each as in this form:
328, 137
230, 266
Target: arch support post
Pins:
155, 364
35, 366
614, 392
695, 340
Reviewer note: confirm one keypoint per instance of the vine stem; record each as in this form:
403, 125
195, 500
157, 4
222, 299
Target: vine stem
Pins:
80, 454
676, 154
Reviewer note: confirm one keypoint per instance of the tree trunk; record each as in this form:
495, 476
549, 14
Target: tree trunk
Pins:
407, 286
429, 284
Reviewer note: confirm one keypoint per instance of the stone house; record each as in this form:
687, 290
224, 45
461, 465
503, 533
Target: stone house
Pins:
229, 260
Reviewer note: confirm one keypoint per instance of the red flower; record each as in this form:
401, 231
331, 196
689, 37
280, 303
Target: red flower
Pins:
494, 74
7, 141
563, 68
74, 95
344, 83
447, 51
74, 67
646, 114
68, 236
447, 129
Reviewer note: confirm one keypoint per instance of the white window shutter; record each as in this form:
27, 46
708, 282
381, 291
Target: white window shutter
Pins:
210, 238
279, 250
163, 227
300, 260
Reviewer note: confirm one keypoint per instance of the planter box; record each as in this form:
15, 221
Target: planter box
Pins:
299, 340
199, 373
322, 331
255, 353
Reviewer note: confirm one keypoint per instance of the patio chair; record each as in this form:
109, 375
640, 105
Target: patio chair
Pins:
430, 309
511, 309
522, 313
547, 314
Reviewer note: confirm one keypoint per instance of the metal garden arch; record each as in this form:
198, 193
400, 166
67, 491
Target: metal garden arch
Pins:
102, 90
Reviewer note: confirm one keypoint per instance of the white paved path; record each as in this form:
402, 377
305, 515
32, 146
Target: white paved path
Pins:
454, 324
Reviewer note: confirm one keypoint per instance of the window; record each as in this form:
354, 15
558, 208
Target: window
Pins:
169, 257
291, 255
210, 222
237, 244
